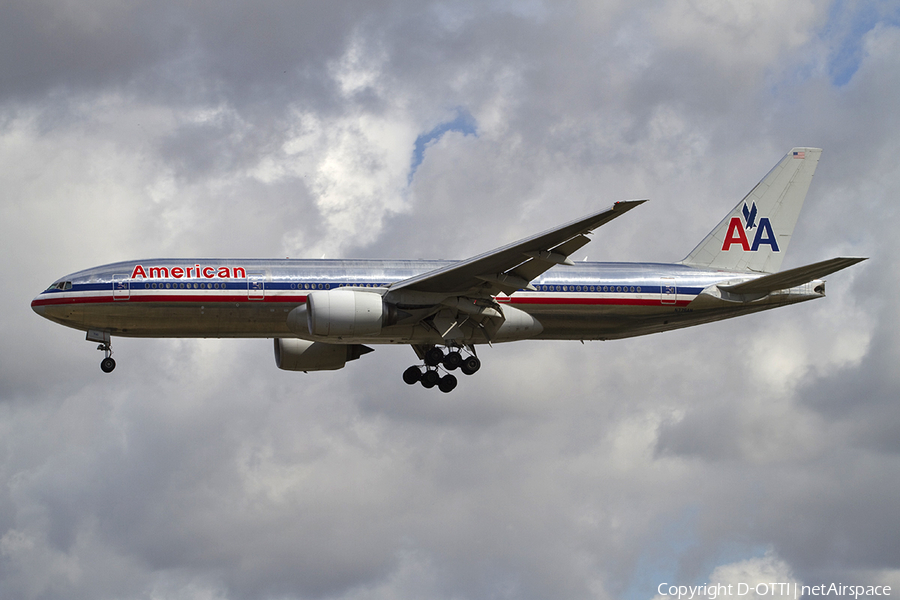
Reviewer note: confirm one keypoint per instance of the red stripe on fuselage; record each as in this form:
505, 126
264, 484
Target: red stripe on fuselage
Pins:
163, 298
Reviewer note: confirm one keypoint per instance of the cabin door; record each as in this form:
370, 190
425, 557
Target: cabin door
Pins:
121, 285
668, 292
256, 286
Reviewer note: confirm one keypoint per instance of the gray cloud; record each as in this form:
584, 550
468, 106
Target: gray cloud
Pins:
197, 469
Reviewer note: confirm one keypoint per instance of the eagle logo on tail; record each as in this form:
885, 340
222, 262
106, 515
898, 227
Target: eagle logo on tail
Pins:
750, 216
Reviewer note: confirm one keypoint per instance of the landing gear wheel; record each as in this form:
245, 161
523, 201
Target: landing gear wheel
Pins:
412, 375
430, 379
439, 362
447, 383
107, 364
434, 356
470, 365
453, 360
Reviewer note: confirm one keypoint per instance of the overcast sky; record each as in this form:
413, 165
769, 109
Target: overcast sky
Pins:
763, 448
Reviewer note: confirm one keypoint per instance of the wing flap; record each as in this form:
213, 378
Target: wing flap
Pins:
791, 277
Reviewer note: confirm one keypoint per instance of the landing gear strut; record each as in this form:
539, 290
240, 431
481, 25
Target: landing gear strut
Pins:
435, 359
107, 364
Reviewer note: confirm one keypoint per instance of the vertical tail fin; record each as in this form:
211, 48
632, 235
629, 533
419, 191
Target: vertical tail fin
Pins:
755, 235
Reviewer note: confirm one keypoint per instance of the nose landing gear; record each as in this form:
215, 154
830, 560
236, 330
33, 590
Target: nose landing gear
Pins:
434, 359
107, 364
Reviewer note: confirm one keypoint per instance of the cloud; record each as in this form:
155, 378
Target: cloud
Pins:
759, 447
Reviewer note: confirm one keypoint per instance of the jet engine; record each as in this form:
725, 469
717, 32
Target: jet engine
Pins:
292, 354
339, 313
517, 325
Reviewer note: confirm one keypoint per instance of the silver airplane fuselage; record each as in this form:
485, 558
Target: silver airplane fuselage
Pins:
584, 301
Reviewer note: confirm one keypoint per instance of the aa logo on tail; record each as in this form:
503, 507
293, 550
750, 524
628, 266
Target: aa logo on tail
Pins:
737, 232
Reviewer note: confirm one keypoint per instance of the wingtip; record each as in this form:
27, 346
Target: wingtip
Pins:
628, 204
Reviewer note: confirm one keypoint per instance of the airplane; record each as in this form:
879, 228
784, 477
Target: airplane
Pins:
322, 313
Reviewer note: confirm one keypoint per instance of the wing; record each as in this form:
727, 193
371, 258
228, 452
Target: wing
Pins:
512, 267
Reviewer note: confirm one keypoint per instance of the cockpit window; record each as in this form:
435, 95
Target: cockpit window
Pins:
60, 285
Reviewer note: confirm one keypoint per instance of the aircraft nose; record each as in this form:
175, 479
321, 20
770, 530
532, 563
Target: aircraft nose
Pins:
37, 307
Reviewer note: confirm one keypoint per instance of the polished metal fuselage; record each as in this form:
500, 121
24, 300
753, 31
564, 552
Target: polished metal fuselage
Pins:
251, 298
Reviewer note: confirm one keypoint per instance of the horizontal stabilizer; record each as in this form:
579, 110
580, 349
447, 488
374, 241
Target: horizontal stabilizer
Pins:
791, 278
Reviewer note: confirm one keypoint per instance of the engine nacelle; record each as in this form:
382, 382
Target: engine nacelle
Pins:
293, 354
341, 313
517, 325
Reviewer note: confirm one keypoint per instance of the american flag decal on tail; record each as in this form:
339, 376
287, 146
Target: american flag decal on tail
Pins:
800, 154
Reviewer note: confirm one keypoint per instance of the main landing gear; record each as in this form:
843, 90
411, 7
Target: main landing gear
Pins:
435, 358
